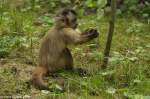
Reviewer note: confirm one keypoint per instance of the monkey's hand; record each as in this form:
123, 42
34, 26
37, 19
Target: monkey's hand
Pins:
91, 33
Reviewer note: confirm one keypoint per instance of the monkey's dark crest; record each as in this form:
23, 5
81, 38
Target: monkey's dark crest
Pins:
66, 11
54, 53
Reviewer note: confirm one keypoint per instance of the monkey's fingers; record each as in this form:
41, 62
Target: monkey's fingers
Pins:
92, 30
93, 34
89, 32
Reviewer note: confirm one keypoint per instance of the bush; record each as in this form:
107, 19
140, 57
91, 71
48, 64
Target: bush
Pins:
138, 9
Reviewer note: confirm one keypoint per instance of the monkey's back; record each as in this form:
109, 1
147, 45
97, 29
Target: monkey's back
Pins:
52, 46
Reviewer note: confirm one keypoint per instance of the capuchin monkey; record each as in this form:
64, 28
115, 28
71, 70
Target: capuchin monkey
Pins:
54, 53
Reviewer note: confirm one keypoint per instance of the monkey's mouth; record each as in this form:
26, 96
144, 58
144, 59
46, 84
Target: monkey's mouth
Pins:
75, 26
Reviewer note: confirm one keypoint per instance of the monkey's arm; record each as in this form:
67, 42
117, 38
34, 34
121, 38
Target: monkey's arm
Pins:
76, 37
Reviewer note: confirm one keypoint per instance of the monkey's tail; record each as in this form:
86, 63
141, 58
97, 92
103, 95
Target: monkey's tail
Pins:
37, 78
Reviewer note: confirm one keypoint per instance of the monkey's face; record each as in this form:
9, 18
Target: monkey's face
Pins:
67, 18
72, 21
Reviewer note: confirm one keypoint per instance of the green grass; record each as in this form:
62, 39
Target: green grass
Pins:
127, 75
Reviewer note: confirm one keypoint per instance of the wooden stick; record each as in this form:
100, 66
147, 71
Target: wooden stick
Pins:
110, 34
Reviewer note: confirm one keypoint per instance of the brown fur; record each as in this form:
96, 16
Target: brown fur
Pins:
54, 54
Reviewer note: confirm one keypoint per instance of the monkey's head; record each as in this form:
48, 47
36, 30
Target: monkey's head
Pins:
66, 18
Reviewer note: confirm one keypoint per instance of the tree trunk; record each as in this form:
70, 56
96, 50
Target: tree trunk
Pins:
110, 34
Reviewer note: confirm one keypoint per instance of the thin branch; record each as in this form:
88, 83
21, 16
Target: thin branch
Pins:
110, 34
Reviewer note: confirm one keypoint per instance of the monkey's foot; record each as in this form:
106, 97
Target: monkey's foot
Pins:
80, 71
39, 85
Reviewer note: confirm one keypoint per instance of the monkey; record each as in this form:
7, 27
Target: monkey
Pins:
54, 53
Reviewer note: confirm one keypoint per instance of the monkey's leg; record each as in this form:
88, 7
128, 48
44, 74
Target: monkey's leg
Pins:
69, 63
68, 59
37, 77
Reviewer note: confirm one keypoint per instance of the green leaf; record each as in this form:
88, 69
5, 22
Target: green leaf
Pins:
59, 87
45, 91
111, 90
133, 59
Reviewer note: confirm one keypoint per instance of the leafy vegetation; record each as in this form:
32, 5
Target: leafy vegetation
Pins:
140, 9
127, 75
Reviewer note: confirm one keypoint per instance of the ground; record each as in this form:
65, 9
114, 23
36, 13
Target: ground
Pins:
127, 75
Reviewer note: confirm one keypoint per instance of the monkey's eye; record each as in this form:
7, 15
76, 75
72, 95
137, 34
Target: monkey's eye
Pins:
74, 20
